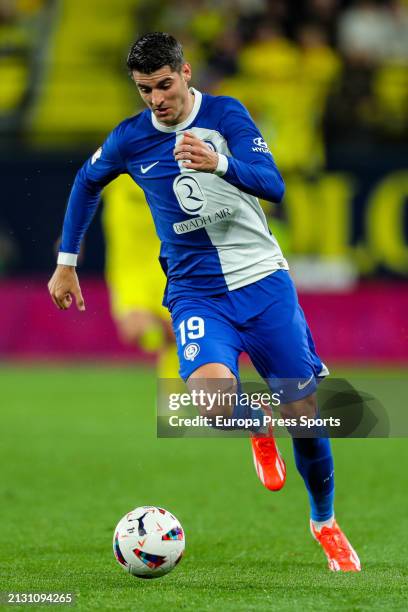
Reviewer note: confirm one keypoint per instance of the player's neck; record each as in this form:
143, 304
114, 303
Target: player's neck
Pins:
188, 107
190, 104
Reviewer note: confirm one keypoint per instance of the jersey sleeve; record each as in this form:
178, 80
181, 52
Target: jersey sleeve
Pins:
104, 166
251, 166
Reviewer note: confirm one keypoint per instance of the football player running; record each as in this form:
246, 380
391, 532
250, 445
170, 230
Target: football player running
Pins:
202, 164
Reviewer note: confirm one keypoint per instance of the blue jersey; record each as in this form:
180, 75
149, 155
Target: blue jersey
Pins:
214, 235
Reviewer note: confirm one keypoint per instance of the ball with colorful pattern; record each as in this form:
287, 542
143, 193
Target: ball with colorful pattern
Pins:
148, 542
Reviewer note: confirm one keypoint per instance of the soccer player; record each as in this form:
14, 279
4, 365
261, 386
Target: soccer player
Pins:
202, 164
135, 279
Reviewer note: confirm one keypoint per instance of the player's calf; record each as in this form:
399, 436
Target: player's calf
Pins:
216, 380
307, 406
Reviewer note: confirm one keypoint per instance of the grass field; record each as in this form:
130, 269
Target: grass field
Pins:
79, 449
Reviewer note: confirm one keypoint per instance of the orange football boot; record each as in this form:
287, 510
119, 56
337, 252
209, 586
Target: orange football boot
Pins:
269, 465
340, 554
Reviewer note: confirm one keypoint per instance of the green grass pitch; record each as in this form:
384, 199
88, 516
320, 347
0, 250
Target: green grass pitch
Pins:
79, 449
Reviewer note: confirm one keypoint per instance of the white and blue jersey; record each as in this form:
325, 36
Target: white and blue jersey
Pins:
213, 232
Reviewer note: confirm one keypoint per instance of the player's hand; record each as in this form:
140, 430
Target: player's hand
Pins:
63, 286
197, 154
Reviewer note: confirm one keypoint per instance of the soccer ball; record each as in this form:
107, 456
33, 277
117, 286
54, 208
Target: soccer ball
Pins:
148, 542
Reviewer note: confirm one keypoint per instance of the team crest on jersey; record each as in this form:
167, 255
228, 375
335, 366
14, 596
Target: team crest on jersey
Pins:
191, 351
96, 155
260, 145
189, 194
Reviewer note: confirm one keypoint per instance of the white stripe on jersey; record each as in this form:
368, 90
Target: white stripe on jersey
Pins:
246, 249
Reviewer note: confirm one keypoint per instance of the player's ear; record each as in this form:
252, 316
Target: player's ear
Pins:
186, 72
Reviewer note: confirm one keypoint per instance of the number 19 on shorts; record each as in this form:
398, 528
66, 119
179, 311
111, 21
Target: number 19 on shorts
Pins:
192, 329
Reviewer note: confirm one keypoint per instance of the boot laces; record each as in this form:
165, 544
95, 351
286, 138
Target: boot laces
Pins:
266, 448
336, 540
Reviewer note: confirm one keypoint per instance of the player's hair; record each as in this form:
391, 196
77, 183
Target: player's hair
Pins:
153, 51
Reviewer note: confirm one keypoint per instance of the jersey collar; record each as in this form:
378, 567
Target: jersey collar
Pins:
181, 126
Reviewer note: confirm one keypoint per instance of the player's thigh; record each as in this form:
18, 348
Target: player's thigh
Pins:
204, 336
277, 342
212, 370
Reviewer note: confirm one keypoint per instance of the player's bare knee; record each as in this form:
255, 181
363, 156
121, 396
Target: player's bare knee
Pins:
216, 387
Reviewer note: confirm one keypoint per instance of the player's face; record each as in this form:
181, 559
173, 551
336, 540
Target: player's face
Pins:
166, 93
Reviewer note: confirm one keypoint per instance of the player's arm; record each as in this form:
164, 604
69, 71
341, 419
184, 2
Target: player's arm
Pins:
251, 167
105, 165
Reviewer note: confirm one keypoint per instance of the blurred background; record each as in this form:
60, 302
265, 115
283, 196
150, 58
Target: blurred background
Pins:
325, 80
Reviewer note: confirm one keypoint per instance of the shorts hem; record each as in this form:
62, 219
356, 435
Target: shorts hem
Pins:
233, 370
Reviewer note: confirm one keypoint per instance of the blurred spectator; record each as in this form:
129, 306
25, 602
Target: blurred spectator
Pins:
373, 32
390, 89
323, 13
207, 22
223, 55
369, 104
399, 31
350, 113
23, 25
249, 15
285, 86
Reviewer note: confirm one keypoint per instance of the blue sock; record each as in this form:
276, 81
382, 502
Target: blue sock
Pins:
314, 462
254, 415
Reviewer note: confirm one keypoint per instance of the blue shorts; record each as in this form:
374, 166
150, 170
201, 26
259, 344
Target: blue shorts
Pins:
263, 319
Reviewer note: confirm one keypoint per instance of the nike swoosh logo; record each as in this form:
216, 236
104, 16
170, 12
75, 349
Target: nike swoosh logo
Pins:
303, 385
147, 168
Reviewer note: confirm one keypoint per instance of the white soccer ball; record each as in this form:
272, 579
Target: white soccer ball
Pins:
148, 542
